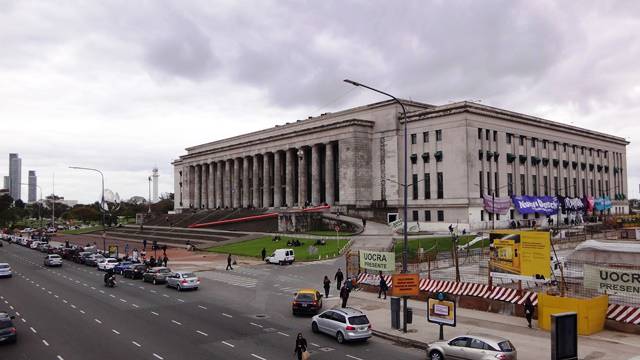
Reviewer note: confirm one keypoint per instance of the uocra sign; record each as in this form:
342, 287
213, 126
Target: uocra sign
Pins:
377, 260
612, 281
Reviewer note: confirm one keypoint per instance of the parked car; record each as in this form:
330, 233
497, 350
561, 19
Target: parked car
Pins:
281, 257
135, 272
473, 346
345, 324
8, 331
80, 257
5, 270
93, 260
34, 244
44, 247
107, 263
121, 266
52, 260
306, 301
182, 280
156, 275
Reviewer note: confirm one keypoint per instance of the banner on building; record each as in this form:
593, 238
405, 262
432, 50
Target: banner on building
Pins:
612, 280
571, 204
547, 205
602, 203
525, 253
588, 202
496, 205
377, 260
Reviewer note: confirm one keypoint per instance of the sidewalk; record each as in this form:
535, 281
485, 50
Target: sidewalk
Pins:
532, 344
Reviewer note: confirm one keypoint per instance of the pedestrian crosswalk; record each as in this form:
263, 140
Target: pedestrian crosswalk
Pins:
231, 279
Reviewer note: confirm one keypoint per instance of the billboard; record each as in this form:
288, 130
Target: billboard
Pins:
405, 285
377, 260
526, 253
441, 312
612, 280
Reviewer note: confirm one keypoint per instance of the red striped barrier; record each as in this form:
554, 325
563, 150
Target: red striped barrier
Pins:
624, 313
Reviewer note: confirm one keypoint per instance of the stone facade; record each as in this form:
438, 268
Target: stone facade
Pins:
353, 160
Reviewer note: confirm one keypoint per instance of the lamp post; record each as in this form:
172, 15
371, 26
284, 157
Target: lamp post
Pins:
149, 195
104, 242
405, 190
39, 202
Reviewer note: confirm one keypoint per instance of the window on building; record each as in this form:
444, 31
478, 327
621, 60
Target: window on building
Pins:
546, 185
592, 192
564, 147
495, 135
521, 140
534, 184
414, 159
523, 185
512, 214
510, 184
481, 215
487, 133
566, 187
598, 153
496, 184
544, 144
575, 187
509, 136
427, 186
425, 136
479, 133
440, 215
414, 215
555, 185
573, 149
488, 183
582, 150
490, 216
584, 187
414, 139
414, 186
425, 158
533, 142
498, 217
438, 135
427, 215
480, 155
525, 216
440, 181
555, 145
481, 183
590, 152
599, 187
606, 188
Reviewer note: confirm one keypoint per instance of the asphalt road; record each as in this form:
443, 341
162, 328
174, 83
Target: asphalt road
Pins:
66, 313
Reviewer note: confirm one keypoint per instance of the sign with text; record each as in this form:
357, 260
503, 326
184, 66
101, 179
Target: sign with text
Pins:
525, 253
405, 285
441, 312
612, 281
377, 260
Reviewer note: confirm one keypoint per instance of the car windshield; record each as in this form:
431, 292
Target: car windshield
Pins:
304, 297
4, 266
5, 323
165, 270
55, 256
359, 320
188, 275
506, 346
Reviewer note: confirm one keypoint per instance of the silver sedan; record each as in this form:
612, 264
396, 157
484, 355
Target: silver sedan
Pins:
183, 280
473, 347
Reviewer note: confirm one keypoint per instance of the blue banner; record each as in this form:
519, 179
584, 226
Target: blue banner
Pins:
602, 203
547, 205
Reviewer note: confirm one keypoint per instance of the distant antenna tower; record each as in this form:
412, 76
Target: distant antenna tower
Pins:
155, 184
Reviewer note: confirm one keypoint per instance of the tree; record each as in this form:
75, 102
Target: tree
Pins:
19, 204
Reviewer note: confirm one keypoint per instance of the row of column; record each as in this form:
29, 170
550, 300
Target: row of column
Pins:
286, 178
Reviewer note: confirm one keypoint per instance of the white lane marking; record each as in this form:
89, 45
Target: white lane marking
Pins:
155, 313
202, 307
49, 292
180, 300
34, 330
11, 307
353, 357
113, 296
254, 324
230, 345
115, 331
45, 342
176, 322
73, 306
141, 287
123, 300
60, 357
93, 288
202, 333
23, 320
17, 313
102, 291
165, 295
258, 357
65, 301
283, 334
153, 291
158, 356
136, 344
56, 296
135, 306
82, 311
98, 321
314, 344
227, 315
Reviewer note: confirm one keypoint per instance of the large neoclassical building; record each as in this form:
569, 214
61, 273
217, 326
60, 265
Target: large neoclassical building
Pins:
353, 161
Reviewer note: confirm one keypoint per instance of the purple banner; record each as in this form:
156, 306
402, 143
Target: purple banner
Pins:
498, 205
547, 205
571, 204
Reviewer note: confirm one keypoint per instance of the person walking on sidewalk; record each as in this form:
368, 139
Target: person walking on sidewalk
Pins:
144, 245
327, 284
165, 260
383, 287
338, 278
528, 311
229, 262
301, 347
364, 223
263, 253
344, 295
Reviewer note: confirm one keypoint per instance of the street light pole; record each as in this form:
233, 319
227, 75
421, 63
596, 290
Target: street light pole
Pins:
405, 191
149, 195
104, 242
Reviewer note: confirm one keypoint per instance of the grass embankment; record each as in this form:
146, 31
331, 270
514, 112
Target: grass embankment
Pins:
81, 231
440, 243
329, 233
252, 248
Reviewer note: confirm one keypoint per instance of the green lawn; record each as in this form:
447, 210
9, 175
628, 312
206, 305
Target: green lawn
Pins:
329, 233
253, 248
82, 230
443, 244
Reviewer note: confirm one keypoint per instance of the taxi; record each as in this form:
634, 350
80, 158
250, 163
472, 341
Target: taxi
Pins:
306, 301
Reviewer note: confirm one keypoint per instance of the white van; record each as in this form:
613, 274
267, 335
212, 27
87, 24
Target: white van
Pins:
281, 257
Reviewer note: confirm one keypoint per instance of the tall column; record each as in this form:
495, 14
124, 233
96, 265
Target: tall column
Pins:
186, 183
245, 181
266, 181
235, 188
226, 183
198, 187
329, 174
256, 182
277, 179
219, 192
315, 174
289, 176
210, 189
302, 178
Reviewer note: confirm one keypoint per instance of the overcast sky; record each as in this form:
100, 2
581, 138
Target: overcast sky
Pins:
124, 86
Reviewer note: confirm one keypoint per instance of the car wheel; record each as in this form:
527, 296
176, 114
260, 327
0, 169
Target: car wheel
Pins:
154, 281
178, 287
436, 355
340, 337
314, 327
194, 289
280, 263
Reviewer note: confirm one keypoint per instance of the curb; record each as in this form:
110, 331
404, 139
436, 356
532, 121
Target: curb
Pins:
401, 340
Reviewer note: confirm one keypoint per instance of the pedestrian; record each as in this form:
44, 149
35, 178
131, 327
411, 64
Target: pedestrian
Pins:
344, 295
165, 260
144, 245
164, 249
364, 222
327, 284
229, 262
301, 348
383, 287
152, 262
338, 278
263, 253
528, 310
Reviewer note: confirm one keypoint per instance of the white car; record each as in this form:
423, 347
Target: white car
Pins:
107, 264
281, 257
5, 270
35, 244
53, 260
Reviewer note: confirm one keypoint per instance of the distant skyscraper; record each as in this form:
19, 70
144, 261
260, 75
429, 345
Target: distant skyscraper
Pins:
155, 185
33, 182
15, 176
7, 181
